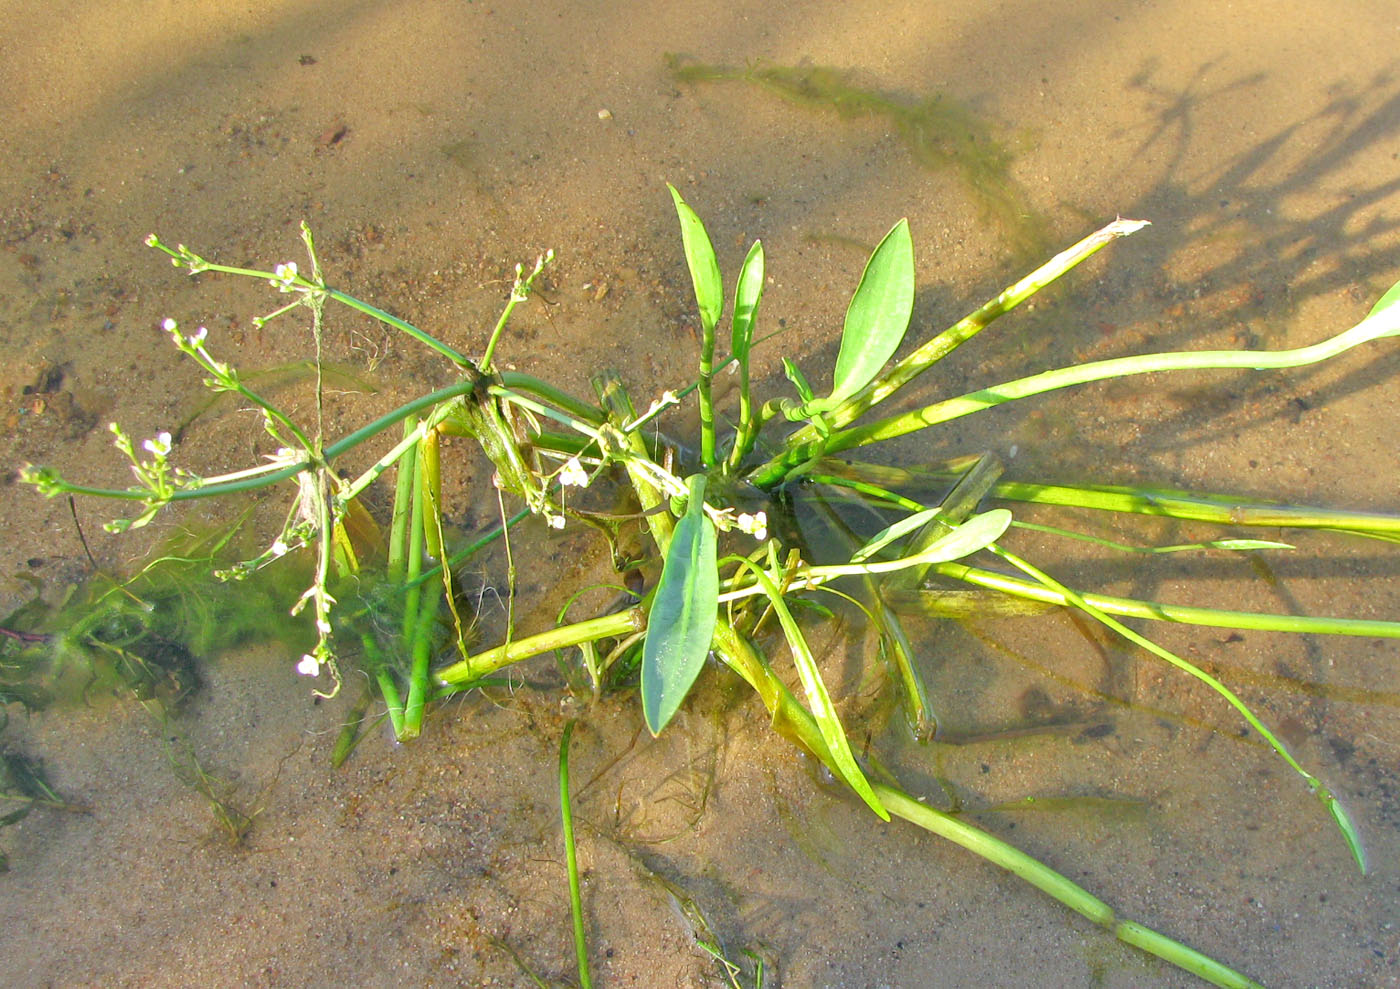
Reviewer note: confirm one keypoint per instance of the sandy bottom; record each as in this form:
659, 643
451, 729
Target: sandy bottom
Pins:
433, 145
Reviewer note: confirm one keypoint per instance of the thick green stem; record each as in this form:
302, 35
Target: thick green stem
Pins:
796, 723
1220, 509
403, 508
1384, 323
528, 383
1069, 893
1120, 367
419, 670
418, 611
388, 687
483, 663
747, 431
707, 405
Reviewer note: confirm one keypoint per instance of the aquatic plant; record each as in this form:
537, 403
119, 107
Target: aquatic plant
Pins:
717, 518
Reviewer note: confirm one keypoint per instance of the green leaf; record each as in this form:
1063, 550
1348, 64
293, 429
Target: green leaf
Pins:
977, 533
747, 294
704, 266
1387, 300
1348, 828
892, 532
877, 318
683, 613
819, 700
799, 381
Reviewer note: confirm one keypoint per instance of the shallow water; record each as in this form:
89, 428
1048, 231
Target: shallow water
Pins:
432, 145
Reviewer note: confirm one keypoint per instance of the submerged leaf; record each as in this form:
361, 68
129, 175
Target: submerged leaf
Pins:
683, 613
892, 532
977, 533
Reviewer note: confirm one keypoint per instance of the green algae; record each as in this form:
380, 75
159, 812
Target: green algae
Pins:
941, 133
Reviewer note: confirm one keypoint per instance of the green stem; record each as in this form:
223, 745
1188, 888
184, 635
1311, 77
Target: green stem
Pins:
519, 292
403, 508
606, 627
589, 429
797, 724
517, 381
1182, 614
1118, 367
389, 319
1318, 788
418, 610
707, 406
571, 859
1384, 323
388, 688
419, 671
1220, 509
283, 473
438, 397
747, 431
1049, 881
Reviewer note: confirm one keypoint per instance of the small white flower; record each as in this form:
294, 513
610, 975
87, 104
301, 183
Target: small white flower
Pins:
284, 275
573, 475
279, 548
158, 447
755, 525
197, 337
555, 521
169, 325
323, 626
309, 666
668, 398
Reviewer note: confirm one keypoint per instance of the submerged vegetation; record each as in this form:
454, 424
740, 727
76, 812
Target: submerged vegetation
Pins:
940, 133
724, 575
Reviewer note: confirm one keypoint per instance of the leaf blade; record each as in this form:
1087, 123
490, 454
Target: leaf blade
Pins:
878, 315
819, 702
701, 260
683, 613
748, 293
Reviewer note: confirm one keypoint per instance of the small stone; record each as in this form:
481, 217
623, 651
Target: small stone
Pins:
605, 114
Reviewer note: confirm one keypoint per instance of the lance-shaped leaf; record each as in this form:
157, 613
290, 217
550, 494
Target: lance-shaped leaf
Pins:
818, 700
892, 532
977, 533
682, 618
876, 319
747, 294
704, 266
